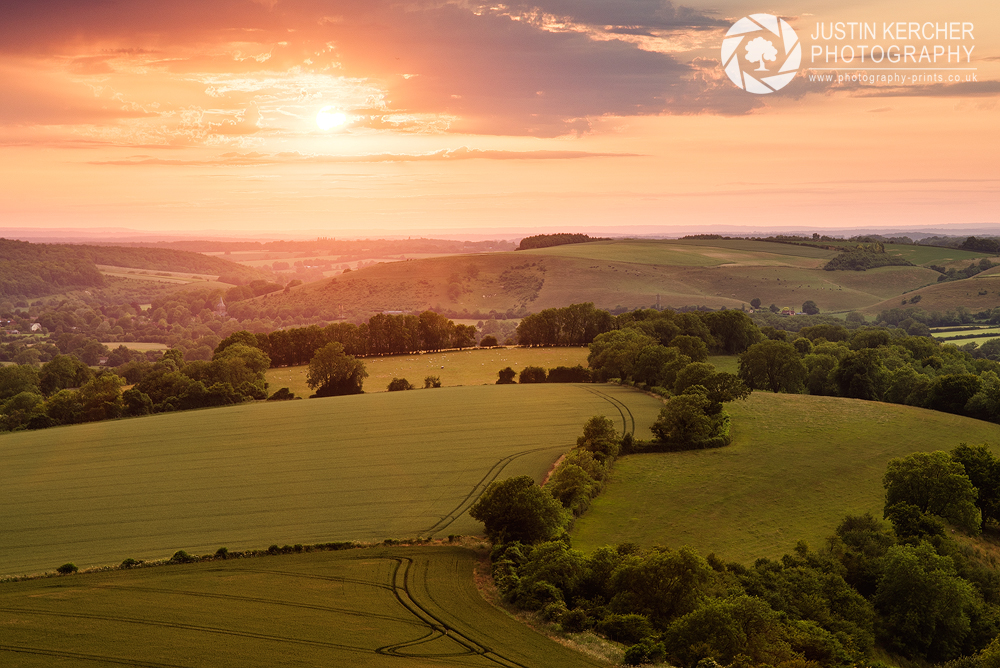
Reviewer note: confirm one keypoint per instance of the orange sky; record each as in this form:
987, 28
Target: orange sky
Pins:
204, 117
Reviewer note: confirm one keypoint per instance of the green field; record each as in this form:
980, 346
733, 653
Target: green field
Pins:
363, 467
629, 273
798, 464
404, 607
468, 367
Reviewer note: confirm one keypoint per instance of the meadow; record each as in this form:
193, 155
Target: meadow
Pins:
629, 274
455, 368
797, 465
363, 467
403, 607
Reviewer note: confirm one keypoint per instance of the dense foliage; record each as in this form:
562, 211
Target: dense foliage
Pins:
549, 240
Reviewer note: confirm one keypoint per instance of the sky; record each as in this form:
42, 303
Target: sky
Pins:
299, 118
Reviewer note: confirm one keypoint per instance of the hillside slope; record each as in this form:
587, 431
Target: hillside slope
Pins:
797, 465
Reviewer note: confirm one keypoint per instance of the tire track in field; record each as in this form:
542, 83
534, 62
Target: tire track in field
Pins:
186, 627
79, 656
622, 410
439, 628
476, 492
263, 601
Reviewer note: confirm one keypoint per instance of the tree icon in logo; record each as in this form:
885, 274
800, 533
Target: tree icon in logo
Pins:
759, 50
763, 37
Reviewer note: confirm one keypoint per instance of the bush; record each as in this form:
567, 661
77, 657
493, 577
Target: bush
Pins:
129, 563
284, 394
182, 557
488, 341
626, 629
67, 569
506, 376
566, 374
222, 553
532, 374
646, 651
574, 621
399, 384
432, 381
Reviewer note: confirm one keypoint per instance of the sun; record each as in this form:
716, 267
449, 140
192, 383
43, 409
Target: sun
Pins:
327, 118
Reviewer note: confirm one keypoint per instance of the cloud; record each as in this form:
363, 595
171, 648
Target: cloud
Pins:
236, 159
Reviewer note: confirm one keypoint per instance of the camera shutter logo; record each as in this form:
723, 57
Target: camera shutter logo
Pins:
752, 43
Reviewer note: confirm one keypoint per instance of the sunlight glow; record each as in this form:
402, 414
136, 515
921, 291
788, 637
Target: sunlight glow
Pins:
327, 119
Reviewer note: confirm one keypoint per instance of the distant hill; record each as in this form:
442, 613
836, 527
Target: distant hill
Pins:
620, 274
35, 270
550, 240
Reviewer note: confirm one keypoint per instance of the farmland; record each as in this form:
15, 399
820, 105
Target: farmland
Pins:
455, 368
797, 465
376, 607
627, 273
363, 467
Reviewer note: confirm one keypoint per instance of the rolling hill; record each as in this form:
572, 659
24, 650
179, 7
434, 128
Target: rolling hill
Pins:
362, 467
620, 273
797, 465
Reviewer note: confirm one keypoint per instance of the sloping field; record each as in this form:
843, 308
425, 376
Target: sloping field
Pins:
798, 464
454, 368
405, 608
977, 293
363, 467
626, 273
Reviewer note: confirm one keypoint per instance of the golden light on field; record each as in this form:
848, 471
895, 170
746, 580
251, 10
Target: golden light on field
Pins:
328, 119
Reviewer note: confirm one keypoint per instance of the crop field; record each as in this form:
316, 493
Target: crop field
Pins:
626, 273
363, 467
466, 367
797, 465
399, 607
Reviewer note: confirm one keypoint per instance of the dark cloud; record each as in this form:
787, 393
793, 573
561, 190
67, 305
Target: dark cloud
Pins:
647, 14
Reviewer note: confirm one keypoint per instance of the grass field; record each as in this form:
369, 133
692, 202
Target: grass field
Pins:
977, 293
134, 345
630, 274
798, 464
468, 367
363, 467
391, 607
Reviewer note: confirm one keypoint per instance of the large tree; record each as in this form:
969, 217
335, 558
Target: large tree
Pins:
333, 372
516, 509
936, 484
772, 365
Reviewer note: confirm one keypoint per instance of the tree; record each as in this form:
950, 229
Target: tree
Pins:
772, 365
983, 469
432, 381
759, 50
399, 384
600, 438
936, 484
755, 303
531, 374
488, 341
684, 421
333, 372
16, 379
506, 376
809, 307
614, 354
516, 509
63, 372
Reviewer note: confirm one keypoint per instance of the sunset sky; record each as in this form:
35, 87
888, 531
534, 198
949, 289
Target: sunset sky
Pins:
318, 117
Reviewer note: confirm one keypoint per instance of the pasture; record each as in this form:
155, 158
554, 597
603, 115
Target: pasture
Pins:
400, 607
363, 467
628, 273
477, 366
797, 465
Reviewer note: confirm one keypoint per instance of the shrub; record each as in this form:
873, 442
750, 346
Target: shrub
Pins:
66, 569
574, 621
645, 651
488, 341
129, 563
566, 374
627, 629
432, 381
222, 553
182, 557
284, 394
506, 376
532, 374
399, 384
